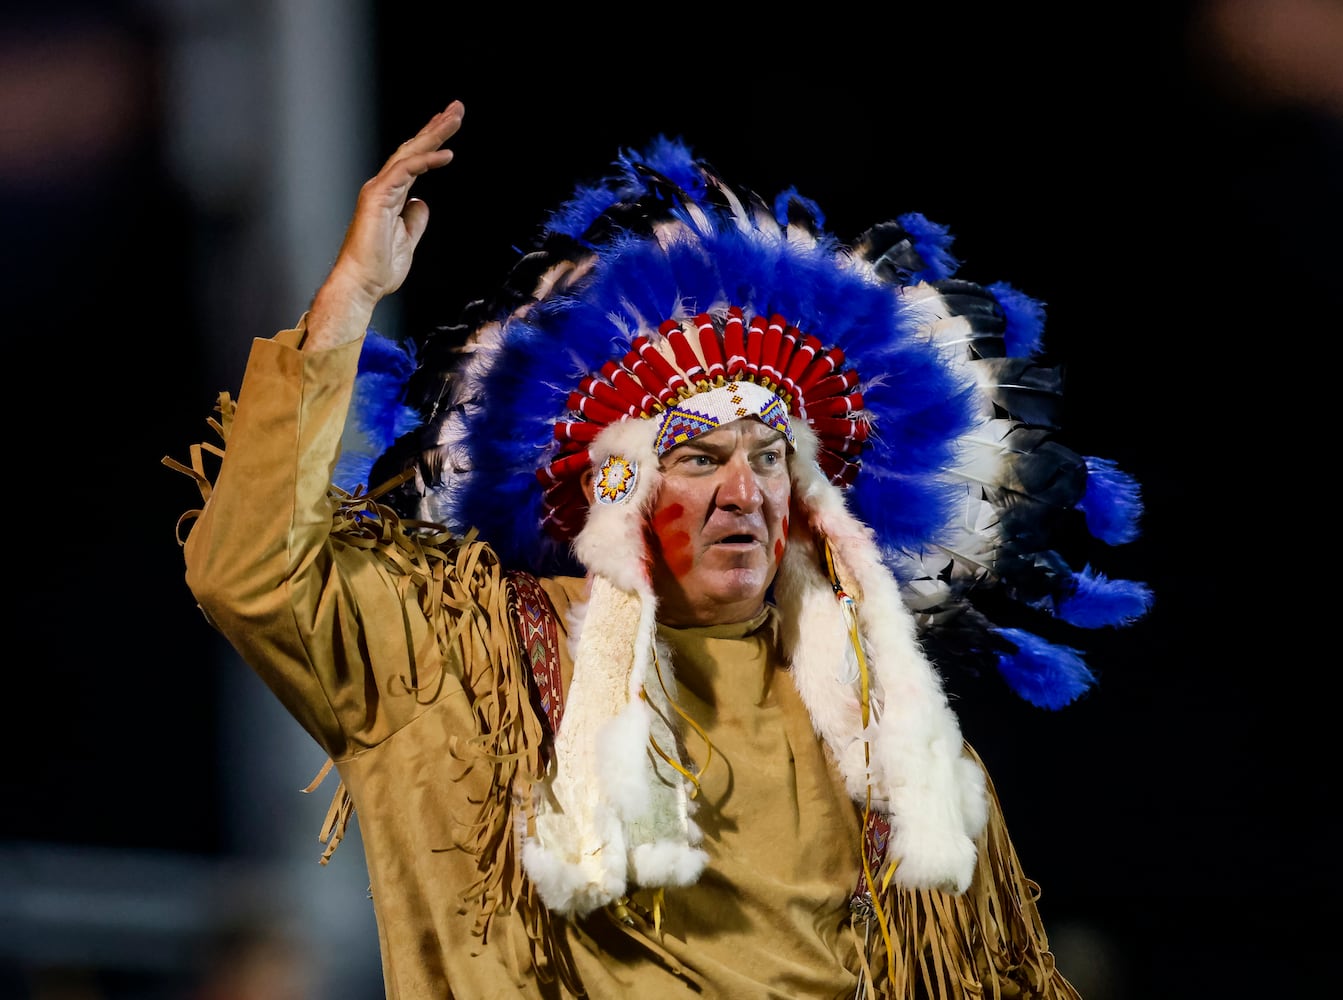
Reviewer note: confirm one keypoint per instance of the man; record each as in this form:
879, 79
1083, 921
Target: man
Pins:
710, 757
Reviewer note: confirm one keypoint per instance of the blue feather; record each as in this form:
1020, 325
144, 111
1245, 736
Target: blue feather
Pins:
584, 207
670, 158
674, 160
1112, 502
377, 415
784, 199
933, 244
1096, 601
1025, 319
1044, 674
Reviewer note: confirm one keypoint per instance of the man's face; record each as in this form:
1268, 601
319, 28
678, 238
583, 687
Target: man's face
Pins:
719, 524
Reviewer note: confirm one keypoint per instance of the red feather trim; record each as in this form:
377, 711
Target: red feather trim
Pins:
832, 385
669, 382
642, 403
683, 351
769, 351
825, 364
806, 353
755, 345
835, 406
734, 342
604, 410
715, 368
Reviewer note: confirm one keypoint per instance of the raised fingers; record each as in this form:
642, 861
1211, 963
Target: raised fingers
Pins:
422, 152
437, 130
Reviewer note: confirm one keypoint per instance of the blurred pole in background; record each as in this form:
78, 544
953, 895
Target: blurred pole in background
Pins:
274, 107
176, 176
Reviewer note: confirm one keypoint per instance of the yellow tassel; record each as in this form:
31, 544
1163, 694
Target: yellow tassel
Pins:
708, 744
659, 900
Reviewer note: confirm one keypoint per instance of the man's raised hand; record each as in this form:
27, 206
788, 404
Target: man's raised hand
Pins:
380, 241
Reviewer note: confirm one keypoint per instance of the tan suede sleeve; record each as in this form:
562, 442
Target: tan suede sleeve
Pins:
326, 624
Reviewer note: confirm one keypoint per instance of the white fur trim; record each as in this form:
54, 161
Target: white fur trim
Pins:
667, 862
625, 783
613, 810
577, 854
567, 887
917, 772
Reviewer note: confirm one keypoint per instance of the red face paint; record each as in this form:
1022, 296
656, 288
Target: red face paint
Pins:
669, 513
674, 543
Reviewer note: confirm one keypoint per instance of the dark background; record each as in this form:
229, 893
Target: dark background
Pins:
1176, 206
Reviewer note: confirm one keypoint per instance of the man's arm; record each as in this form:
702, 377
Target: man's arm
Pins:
325, 624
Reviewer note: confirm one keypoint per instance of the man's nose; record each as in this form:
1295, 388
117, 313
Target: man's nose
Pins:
739, 489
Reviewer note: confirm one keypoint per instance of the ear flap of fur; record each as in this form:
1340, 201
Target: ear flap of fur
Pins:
910, 754
613, 811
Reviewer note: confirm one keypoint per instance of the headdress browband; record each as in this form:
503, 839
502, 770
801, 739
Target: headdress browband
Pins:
695, 376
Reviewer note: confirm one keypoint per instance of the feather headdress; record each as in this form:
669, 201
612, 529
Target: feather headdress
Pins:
926, 461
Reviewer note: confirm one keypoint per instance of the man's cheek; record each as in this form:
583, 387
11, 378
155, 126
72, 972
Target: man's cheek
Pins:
671, 541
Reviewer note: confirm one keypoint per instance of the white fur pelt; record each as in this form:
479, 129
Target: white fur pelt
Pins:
613, 812
910, 757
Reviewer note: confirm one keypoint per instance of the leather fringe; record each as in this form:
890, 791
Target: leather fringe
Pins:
989, 942
462, 590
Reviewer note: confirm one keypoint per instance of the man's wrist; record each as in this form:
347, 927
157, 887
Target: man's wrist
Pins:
340, 312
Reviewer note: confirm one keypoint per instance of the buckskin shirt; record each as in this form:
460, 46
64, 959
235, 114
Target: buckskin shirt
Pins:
398, 649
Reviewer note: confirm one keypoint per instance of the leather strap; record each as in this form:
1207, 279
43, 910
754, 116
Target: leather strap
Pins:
534, 618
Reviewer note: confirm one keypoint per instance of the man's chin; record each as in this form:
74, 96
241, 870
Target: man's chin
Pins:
737, 585
716, 592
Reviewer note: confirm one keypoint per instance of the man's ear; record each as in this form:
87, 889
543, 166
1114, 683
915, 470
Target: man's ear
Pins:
799, 520
586, 481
